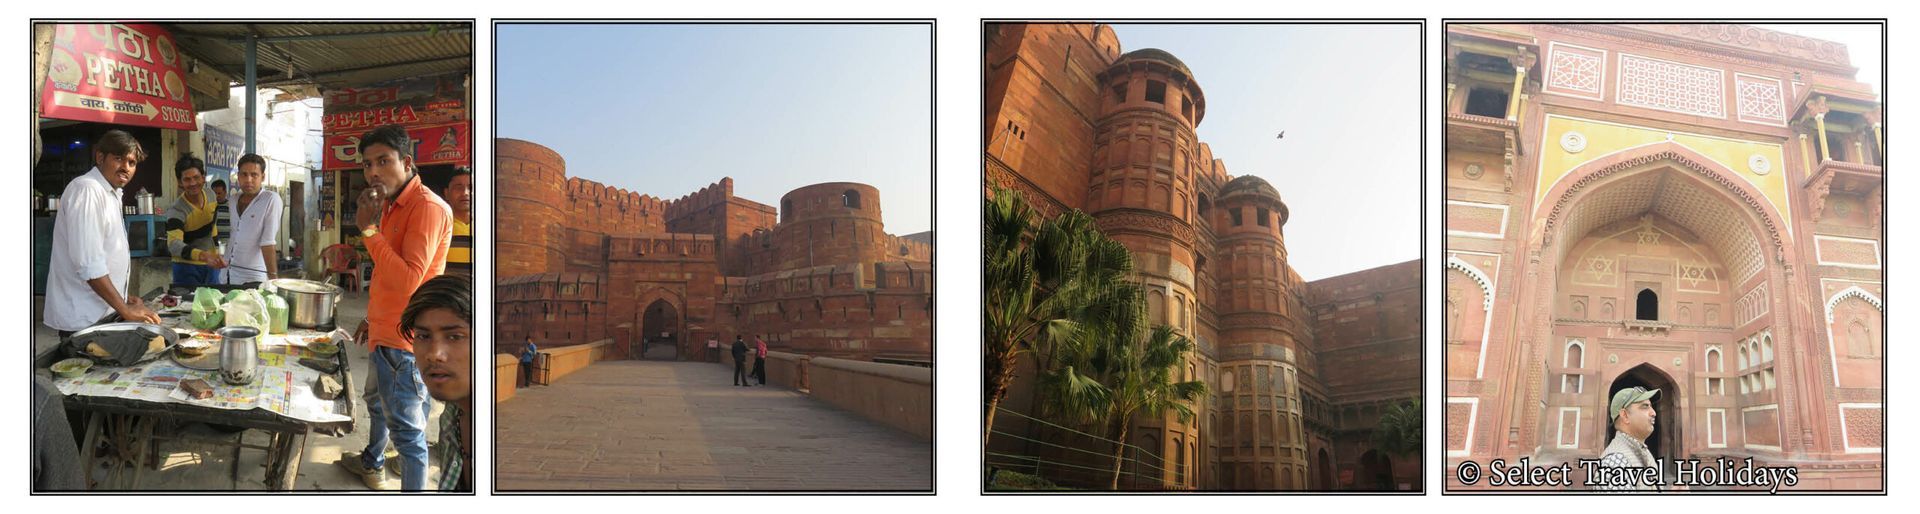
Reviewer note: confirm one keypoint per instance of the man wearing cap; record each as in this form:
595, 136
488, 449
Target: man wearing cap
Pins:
1631, 412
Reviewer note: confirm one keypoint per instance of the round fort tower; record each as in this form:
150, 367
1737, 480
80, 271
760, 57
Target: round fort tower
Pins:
530, 186
1262, 338
830, 224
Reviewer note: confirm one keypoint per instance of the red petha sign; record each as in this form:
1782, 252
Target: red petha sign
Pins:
439, 144
120, 73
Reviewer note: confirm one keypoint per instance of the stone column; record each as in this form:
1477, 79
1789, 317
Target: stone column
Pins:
1876, 117
1820, 124
1818, 106
1520, 62
1513, 100
1806, 154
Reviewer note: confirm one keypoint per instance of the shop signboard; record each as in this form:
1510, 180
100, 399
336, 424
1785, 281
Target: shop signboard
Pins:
119, 73
223, 149
437, 144
432, 109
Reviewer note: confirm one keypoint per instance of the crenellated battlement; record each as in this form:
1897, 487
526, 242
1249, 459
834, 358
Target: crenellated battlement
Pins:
717, 193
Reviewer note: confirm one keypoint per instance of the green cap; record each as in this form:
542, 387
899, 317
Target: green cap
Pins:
1628, 396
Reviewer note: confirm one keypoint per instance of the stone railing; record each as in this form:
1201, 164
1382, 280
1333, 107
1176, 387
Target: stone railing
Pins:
895, 395
506, 371
556, 363
788, 370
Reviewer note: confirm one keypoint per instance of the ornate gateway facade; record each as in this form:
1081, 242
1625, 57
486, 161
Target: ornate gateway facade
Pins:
1694, 208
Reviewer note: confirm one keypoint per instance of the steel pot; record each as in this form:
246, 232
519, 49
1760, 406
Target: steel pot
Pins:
309, 304
143, 202
239, 354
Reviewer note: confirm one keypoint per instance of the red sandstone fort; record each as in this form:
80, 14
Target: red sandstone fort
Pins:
580, 262
1300, 372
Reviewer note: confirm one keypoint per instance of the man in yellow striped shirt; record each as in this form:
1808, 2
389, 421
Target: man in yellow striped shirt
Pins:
190, 227
459, 195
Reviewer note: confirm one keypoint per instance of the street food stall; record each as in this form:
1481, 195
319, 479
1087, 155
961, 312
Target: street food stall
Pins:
211, 366
220, 90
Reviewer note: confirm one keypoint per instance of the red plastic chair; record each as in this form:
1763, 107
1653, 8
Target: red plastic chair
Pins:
343, 261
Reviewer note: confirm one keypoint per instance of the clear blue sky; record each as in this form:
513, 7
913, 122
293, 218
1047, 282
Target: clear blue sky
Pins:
1348, 97
667, 109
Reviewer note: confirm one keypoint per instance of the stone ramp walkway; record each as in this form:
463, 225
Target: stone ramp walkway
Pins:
666, 426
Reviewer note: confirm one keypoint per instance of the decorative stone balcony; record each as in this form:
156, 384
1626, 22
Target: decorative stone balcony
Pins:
1842, 176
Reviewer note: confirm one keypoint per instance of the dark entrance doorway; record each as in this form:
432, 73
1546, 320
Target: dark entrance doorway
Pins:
1323, 471
660, 331
1376, 472
1665, 441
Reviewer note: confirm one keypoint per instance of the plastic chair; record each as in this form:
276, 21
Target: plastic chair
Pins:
342, 261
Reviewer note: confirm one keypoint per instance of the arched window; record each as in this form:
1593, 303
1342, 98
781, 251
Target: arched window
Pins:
1179, 463
1574, 357
1647, 306
1156, 308
1766, 347
1180, 311
850, 199
1859, 340
1716, 363
786, 210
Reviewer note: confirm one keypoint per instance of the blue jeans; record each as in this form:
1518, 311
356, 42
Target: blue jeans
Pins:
195, 274
397, 407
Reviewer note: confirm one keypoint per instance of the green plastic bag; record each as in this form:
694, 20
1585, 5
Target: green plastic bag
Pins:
206, 309
276, 313
208, 298
207, 318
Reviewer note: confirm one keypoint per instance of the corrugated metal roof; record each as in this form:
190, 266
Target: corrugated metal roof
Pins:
332, 55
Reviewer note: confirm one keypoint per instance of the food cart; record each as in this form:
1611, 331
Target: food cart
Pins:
124, 405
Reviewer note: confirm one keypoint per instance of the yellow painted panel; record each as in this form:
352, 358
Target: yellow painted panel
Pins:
1606, 138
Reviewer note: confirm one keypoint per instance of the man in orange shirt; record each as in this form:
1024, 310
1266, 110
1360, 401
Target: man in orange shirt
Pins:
407, 229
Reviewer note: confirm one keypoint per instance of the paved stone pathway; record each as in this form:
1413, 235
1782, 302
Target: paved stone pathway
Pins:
663, 426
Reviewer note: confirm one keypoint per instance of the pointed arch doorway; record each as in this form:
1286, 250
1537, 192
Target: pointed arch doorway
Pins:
1668, 422
660, 331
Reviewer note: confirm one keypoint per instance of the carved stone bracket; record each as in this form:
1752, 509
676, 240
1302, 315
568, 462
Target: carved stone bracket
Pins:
1507, 169
1646, 328
1876, 202
1817, 192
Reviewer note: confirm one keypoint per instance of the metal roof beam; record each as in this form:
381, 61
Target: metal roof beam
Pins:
317, 76
450, 29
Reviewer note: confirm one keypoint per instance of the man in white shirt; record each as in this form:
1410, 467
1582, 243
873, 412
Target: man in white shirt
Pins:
88, 268
252, 253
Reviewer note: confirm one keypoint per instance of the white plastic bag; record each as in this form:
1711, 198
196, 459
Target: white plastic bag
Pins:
249, 309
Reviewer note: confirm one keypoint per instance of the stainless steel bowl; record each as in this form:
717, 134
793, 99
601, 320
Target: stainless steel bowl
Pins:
309, 304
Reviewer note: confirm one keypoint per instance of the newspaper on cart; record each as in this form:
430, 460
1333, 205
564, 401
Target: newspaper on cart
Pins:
284, 386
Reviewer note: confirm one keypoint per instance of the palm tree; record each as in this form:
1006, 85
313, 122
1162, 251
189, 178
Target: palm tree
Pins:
1118, 373
1041, 282
1398, 432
